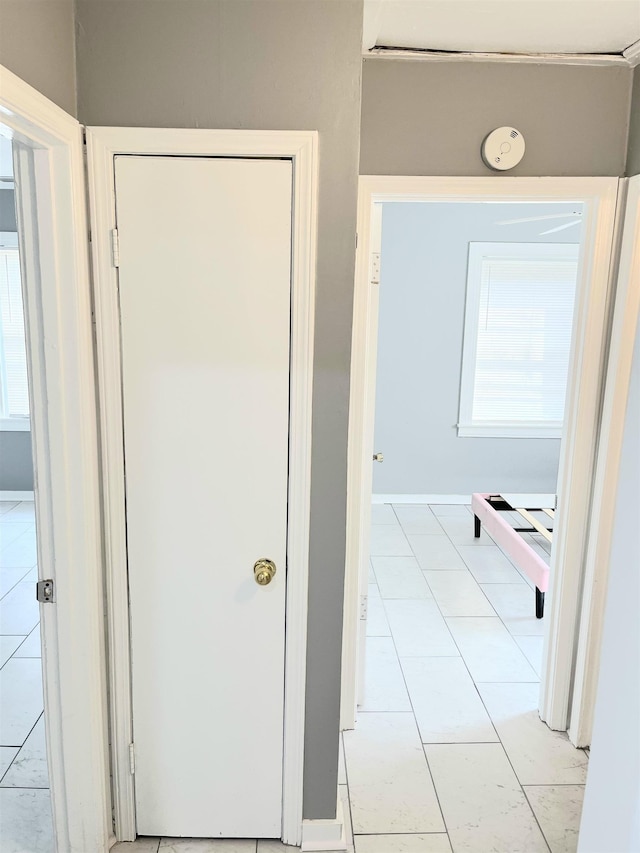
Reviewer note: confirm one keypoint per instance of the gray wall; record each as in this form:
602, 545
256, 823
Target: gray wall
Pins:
422, 305
16, 464
633, 154
7, 210
37, 43
278, 65
611, 812
429, 118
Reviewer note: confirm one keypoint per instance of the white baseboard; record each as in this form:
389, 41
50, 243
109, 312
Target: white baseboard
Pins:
324, 835
421, 499
16, 496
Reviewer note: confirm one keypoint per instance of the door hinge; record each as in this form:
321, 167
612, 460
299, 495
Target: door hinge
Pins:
356, 239
115, 248
375, 268
363, 606
45, 592
132, 759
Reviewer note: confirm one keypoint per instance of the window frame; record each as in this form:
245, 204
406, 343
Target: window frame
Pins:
9, 423
478, 252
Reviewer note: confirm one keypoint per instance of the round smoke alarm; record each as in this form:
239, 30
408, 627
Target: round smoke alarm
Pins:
503, 148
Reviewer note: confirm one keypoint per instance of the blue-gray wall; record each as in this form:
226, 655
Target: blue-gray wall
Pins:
7, 210
16, 464
421, 324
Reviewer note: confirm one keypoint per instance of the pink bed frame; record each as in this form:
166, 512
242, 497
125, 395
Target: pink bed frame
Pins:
520, 552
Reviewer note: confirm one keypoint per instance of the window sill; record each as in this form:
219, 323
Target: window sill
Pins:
508, 431
15, 425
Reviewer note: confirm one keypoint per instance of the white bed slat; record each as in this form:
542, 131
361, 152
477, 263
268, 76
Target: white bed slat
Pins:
535, 523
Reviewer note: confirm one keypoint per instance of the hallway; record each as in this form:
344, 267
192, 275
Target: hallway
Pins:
448, 752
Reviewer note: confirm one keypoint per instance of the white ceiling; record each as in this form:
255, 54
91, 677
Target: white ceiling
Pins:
503, 26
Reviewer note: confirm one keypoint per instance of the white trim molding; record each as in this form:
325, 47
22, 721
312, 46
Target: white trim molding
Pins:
325, 835
421, 499
16, 496
15, 424
481, 258
632, 54
578, 448
103, 144
50, 201
624, 59
626, 317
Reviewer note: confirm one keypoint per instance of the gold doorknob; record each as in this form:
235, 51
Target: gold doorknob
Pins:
263, 571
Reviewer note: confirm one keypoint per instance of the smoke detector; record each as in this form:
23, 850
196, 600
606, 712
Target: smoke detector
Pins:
503, 148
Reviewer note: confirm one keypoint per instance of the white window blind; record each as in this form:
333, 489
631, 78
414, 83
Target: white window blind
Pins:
14, 389
517, 340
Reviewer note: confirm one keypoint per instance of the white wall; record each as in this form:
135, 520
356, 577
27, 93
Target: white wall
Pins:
611, 811
422, 304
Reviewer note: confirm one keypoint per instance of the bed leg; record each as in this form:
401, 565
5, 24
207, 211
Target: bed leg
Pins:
478, 525
539, 604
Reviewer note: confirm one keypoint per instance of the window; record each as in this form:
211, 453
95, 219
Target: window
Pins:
517, 338
14, 389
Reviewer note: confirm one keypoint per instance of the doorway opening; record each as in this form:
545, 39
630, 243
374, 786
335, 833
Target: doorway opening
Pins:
68, 684
472, 312
24, 779
474, 339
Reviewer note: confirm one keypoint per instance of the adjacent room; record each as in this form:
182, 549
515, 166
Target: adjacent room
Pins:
24, 783
475, 320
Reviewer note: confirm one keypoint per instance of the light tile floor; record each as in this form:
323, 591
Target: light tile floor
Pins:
448, 753
25, 808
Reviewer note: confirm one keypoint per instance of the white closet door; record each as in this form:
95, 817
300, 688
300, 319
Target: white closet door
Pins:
204, 277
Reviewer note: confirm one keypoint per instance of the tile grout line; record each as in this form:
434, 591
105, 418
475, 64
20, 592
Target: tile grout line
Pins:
491, 605
415, 722
435, 788
491, 719
433, 515
22, 580
346, 776
546, 841
513, 770
13, 655
479, 696
23, 657
13, 746
462, 658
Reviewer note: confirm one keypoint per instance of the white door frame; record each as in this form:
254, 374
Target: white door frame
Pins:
103, 144
583, 399
59, 343
602, 517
